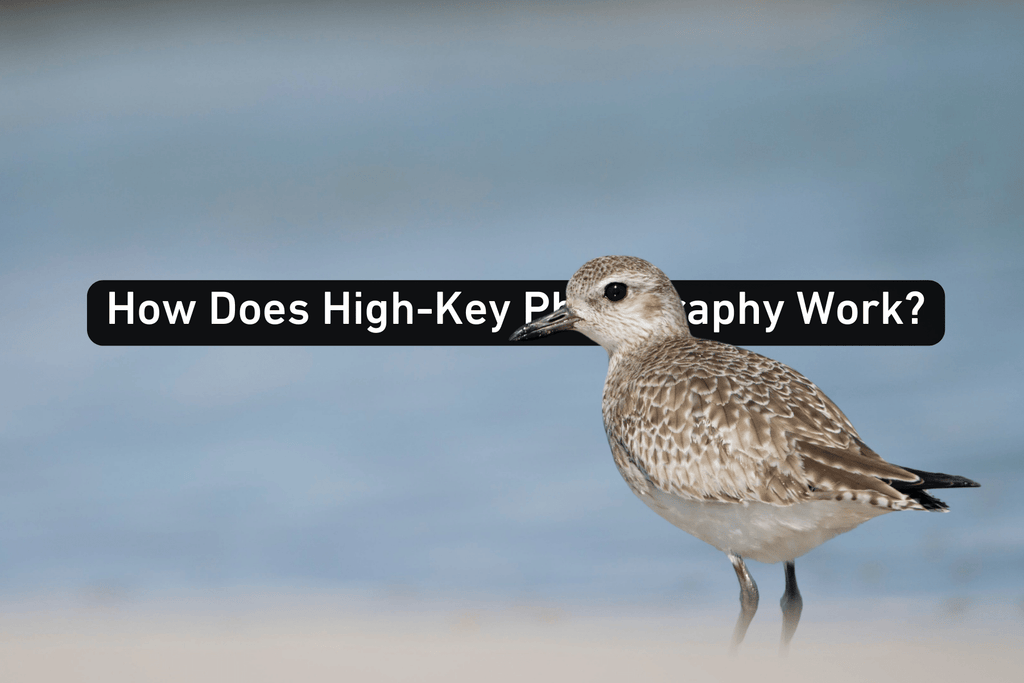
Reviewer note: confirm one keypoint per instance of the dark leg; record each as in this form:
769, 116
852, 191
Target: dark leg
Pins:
748, 600
792, 606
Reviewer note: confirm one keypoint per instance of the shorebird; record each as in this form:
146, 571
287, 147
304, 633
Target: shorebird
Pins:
737, 449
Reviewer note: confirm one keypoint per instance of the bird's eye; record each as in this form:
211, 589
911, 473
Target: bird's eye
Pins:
615, 291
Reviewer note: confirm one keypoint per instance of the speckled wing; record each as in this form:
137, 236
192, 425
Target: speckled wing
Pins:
714, 422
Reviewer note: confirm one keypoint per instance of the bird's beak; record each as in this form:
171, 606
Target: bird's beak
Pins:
561, 320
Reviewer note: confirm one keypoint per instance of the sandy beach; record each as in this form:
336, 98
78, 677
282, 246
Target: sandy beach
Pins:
331, 638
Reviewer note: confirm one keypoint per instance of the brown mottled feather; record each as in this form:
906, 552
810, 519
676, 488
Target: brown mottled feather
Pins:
714, 422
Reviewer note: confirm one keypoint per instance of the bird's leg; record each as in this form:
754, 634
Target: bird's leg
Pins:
792, 606
748, 601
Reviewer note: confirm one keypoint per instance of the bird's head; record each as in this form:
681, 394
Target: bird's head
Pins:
616, 301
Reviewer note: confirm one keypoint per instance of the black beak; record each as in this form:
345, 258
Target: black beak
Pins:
561, 320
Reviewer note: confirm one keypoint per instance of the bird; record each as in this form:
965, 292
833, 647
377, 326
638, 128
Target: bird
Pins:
737, 449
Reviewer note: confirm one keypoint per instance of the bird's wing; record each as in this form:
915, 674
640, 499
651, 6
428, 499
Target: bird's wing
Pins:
722, 423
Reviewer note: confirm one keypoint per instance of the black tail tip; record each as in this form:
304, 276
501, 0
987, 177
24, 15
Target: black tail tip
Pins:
918, 490
937, 480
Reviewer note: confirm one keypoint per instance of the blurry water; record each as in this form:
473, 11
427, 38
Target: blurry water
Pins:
515, 140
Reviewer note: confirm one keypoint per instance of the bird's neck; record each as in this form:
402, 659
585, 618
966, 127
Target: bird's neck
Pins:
627, 351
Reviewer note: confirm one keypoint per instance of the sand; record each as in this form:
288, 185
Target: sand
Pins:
270, 637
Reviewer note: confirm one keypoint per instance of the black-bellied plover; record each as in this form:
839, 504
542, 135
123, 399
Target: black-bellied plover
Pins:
737, 449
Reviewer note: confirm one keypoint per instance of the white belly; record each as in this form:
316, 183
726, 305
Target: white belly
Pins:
761, 531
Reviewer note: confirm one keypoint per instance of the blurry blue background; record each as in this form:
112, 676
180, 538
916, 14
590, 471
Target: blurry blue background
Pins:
174, 140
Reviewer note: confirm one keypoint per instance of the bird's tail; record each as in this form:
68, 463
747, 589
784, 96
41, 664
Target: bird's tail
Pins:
917, 490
